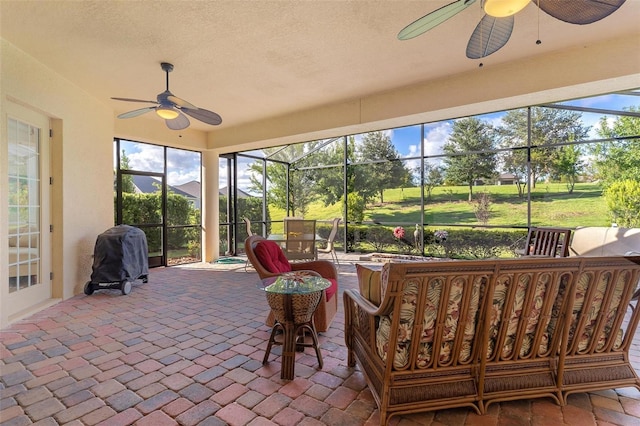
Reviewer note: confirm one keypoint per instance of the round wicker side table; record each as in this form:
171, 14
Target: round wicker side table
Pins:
293, 298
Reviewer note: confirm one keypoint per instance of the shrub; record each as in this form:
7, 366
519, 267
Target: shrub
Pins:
355, 207
623, 201
379, 237
458, 244
356, 234
482, 207
477, 244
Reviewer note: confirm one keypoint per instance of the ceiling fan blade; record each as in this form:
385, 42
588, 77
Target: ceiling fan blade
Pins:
180, 102
433, 19
489, 36
580, 12
178, 123
134, 100
203, 115
136, 112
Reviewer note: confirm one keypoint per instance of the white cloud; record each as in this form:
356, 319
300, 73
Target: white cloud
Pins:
148, 158
436, 136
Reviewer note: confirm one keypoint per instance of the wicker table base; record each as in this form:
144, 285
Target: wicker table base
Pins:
293, 307
296, 319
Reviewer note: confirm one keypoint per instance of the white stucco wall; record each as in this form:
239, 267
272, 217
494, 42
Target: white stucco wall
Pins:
81, 151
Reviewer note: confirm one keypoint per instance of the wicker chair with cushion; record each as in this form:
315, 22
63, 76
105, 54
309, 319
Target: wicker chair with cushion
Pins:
269, 260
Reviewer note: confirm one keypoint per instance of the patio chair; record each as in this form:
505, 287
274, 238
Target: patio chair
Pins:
300, 239
551, 242
247, 223
330, 248
269, 260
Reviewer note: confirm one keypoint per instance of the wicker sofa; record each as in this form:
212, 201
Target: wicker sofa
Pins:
445, 334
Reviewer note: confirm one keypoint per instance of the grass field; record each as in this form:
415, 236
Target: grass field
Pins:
551, 205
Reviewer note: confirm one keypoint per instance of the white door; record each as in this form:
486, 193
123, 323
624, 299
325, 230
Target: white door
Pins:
29, 242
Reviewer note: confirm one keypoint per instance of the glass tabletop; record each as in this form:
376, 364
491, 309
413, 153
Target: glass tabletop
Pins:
300, 282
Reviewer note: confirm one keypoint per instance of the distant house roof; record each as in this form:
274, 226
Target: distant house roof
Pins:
149, 185
241, 193
192, 188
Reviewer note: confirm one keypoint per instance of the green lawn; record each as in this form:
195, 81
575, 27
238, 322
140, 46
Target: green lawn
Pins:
551, 205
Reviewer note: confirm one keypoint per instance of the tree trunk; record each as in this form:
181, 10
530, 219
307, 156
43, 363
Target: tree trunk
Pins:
471, 192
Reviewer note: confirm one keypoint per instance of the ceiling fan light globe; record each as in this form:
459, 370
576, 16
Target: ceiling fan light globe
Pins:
503, 8
167, 113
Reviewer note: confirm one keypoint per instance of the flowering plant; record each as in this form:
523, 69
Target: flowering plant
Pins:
441, 235
398, 232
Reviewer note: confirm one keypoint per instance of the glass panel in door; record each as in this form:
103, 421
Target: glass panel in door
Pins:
28, 235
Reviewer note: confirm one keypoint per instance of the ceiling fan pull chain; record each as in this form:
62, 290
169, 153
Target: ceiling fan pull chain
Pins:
538, 41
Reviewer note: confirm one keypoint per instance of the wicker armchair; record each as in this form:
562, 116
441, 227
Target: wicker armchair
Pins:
328, 305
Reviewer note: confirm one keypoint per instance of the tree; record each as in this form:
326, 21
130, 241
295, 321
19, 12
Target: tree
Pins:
569, 165
330, 180
385, 170
549, 128
127, 180
433, 177
301, 182
467, 159
618, 159
482, 208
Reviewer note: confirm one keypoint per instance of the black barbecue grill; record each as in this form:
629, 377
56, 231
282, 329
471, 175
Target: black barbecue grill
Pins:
119, 258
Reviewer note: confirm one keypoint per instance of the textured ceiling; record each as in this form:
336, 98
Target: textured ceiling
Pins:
250, 60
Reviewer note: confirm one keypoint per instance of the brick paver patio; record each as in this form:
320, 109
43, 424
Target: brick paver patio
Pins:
186, 348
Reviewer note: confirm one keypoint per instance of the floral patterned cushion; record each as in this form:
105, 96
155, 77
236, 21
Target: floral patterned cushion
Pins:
408, 315
595, 310
610, 315
515, 317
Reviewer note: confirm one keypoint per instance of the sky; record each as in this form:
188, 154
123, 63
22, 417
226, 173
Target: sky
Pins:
184, 166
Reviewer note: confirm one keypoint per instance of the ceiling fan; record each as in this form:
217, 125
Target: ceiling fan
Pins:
171, 108
494, 29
